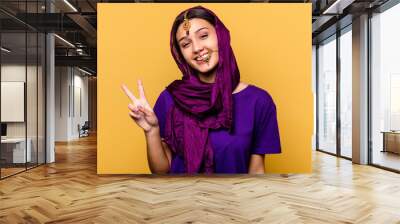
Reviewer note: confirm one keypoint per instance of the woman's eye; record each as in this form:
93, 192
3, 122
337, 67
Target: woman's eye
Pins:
204, 36
185, 45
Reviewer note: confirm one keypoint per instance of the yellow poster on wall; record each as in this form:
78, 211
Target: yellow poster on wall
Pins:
272, 46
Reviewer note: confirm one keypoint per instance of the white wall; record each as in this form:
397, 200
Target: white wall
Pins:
81, 102
61, 103
71, 94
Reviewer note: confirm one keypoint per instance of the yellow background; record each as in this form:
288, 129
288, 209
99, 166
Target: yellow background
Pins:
272, 45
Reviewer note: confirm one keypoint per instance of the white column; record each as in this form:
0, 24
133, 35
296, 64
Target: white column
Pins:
360, 90
50, 92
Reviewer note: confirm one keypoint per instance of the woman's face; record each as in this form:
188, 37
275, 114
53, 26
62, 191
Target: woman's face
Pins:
200, 44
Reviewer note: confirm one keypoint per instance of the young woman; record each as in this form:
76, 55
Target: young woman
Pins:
209, 121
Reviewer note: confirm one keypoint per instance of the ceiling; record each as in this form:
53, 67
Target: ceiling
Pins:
76, 22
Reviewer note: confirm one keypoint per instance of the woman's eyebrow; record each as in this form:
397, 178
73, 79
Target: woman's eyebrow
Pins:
200, 29
194, 31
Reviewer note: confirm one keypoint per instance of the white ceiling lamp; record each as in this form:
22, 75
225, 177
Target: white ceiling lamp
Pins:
84, 71
5, 50
70, 5
64, 40
337, 7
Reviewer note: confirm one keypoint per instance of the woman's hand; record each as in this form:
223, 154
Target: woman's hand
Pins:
257, 162
140, 110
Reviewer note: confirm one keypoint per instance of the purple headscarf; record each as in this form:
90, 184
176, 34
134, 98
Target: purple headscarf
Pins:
200, 106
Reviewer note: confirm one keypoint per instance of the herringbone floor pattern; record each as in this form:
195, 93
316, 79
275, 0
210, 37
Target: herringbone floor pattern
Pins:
70, 191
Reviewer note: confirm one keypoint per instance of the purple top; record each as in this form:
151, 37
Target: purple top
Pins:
255, 131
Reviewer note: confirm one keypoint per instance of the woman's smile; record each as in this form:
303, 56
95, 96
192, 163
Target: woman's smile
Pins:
203, 58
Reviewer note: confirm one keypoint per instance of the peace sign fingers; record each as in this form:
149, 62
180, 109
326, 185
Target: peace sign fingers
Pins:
143, 95
129, 94
141, 90
140, 110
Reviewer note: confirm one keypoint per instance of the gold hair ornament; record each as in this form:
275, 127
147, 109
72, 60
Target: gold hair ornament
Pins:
186, 23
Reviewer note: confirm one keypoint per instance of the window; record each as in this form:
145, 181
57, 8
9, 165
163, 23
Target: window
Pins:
346, 93
385, 88
327, 95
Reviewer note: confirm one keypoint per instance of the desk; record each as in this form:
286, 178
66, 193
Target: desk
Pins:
391, 141
16, 147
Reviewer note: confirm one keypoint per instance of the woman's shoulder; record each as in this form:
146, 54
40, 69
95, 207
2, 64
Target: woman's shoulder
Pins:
164, 101
257, 93
262, 100
165, 95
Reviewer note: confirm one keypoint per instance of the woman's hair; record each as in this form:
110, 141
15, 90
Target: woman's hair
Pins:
193, 13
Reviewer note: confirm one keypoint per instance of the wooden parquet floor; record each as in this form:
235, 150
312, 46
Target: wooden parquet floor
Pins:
70, 191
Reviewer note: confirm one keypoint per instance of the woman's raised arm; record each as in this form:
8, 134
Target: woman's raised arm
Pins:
158, 153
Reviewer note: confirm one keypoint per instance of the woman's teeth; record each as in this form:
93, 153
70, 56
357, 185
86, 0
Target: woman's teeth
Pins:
203, 58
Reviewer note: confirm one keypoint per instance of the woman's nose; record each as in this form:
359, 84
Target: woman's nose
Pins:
197, 47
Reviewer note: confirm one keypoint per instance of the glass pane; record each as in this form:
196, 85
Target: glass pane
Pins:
22, 87
386, 89
32, 70
41, 98
13, 90
346, 94
314, 91
327, 96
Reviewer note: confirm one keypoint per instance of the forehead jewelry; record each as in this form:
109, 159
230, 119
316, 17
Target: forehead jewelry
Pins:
186, 23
